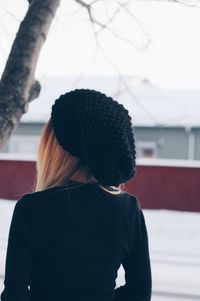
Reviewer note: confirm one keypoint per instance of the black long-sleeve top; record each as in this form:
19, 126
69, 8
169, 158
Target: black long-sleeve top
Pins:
67, 244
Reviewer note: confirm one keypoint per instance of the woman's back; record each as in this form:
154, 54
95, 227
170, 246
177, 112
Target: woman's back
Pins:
75, 239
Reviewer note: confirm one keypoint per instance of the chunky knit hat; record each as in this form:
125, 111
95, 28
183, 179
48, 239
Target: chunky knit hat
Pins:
98, 130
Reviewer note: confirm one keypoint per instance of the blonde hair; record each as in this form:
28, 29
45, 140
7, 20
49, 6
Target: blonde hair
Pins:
56, 167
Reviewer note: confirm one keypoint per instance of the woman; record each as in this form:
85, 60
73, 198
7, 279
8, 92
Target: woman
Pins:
69, 237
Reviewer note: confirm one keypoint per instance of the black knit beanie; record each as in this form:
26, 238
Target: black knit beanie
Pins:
98, 130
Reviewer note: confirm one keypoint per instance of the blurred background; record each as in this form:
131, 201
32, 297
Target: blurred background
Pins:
145, 54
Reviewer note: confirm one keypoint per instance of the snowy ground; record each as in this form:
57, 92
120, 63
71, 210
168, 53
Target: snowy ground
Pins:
174, 239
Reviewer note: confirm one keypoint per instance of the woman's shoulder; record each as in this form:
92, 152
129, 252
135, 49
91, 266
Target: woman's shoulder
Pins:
133, 203
48, 195
124, 198
39, 193
29, 199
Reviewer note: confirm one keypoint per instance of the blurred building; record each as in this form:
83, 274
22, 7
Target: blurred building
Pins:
166, 122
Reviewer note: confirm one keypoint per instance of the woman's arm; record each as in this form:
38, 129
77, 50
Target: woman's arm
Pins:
18, 260
138, 286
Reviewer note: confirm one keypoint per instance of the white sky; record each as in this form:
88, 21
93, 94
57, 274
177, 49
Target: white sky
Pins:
171, 60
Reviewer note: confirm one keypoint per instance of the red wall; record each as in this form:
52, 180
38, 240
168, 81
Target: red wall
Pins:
161, 187
16, 178
157, 187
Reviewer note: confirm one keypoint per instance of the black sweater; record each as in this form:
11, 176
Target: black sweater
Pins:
67, 244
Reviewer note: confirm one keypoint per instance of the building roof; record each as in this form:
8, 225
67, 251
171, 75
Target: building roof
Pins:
148, 104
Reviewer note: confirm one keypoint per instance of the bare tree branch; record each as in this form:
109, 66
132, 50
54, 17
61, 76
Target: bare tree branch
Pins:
188, 3
17, 85
34, 91
105, 26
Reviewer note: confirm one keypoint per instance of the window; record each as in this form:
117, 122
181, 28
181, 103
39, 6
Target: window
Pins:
147, 149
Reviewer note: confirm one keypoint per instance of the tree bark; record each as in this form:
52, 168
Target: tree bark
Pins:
18, 86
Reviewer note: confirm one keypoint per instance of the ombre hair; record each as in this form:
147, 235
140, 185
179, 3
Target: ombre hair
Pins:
57, 167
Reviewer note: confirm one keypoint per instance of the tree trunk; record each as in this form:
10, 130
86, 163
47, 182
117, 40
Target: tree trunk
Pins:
18, 86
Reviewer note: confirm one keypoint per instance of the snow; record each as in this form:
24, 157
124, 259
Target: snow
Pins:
168, 162
174, 242
148, 104
17, 157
